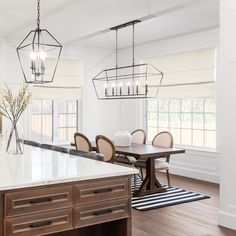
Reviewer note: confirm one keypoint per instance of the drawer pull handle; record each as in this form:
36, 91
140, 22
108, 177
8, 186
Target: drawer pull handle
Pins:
41, 224
41, 200
105, 190
99, 213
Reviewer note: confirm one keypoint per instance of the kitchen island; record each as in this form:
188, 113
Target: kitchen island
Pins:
44, 192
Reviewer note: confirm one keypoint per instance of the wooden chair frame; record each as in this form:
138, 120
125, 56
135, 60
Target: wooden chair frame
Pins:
143, 131
112, 145
85, 138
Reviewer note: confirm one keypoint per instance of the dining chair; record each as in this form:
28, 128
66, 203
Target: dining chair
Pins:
139, 137
162, 139
106, 147
82, 143
89, 155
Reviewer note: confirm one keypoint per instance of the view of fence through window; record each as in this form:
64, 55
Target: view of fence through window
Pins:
41, 121
54, 120
66, 120
191, 121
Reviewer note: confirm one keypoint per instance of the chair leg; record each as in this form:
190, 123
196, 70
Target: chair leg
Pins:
168, 177
117, 156
135, 181
141, 171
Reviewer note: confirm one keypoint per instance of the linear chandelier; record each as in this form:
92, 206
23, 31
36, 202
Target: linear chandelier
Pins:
128, 82
33, 52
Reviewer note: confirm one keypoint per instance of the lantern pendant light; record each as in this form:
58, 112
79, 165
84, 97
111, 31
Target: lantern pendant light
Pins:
33, 52
133, 81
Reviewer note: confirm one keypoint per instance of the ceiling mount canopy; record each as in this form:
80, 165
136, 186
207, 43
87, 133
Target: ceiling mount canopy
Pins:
128, 82
33, 52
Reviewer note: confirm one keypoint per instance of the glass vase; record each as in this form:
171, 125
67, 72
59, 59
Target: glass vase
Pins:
14, 139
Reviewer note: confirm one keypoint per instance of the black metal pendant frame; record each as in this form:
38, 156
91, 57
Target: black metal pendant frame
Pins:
38, 33
35, 41
134, 81
143, 72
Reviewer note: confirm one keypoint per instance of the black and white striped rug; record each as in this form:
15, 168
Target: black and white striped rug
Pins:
173, 196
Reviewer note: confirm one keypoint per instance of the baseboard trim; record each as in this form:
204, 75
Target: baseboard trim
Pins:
195, 174
227, 220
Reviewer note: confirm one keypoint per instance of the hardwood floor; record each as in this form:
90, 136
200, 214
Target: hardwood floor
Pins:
189, 219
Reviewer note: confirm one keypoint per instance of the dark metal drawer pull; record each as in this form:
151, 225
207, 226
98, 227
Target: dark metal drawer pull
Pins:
105, 190
41, 224
41, 200
99, 213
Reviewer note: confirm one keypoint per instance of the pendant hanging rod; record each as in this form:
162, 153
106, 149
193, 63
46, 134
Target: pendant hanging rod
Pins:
116, 48
38, 16
133, 44
116, 28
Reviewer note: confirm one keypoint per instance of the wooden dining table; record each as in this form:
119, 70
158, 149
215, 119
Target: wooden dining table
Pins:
148, 153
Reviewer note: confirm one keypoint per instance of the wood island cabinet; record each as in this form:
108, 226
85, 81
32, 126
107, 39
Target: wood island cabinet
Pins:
98, 207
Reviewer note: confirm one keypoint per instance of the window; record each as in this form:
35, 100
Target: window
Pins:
186, 103
67, 120
41, 120
192, 121
54, 120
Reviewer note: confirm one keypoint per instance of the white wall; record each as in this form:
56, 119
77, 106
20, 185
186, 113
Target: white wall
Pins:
195, 164
227, 114
10, 74
98, 117
106, 117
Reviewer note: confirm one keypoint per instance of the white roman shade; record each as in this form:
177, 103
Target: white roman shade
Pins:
67, 83
189, 74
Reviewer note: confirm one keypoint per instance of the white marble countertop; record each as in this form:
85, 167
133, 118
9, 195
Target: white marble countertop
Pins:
38, 167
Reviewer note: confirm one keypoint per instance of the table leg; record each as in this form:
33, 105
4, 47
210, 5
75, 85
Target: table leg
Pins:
150, 184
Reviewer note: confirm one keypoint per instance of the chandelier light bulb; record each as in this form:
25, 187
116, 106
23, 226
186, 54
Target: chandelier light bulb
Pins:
113, 89
137, 87
105, 86
120, 85
128, 84
33, 56
42, 55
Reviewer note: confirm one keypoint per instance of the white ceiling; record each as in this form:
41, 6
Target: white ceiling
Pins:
87, 22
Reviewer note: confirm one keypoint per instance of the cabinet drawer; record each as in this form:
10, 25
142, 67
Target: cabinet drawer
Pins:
38, 200
39, 224
97, 213
100, 190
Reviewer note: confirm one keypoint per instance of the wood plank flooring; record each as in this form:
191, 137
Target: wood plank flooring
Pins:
190, 219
